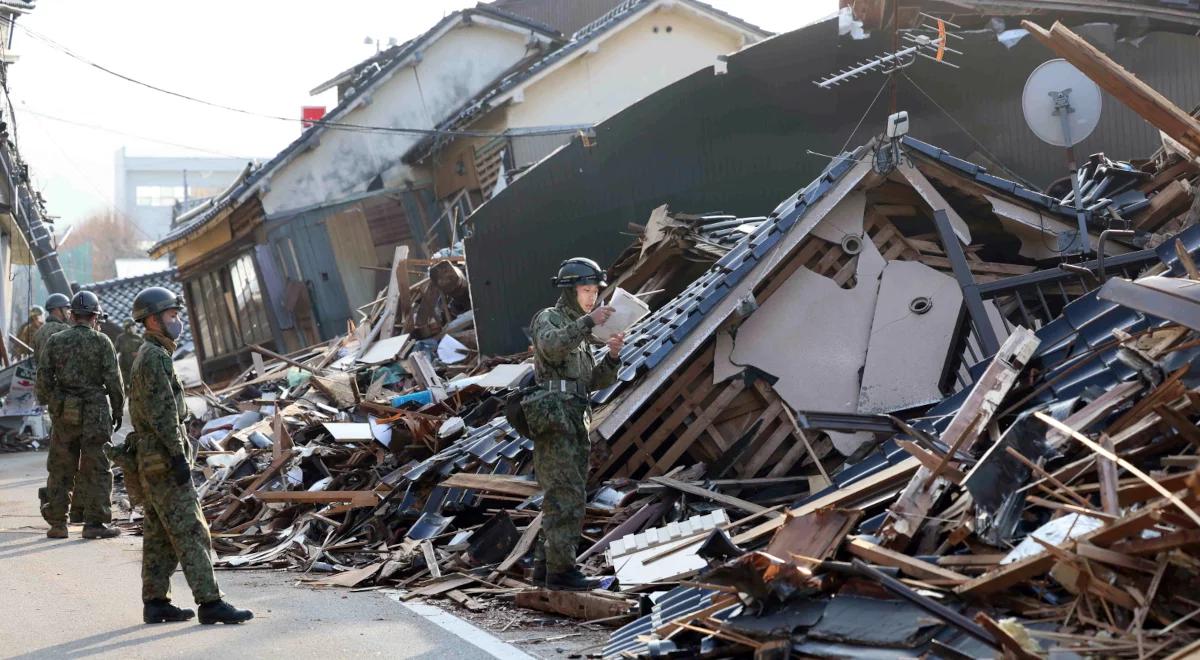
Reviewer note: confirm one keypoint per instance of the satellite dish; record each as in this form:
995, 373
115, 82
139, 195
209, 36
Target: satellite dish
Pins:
1055, 90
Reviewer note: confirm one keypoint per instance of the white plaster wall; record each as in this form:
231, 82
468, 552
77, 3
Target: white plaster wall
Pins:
453, 69
629, 65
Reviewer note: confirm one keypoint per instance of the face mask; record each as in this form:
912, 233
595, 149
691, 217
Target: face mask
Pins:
173, 328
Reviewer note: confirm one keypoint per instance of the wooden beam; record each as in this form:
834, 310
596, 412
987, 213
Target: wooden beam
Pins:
912, 566
581, 605
493, 483
1129, 467
395, 292
358, 498
1106, 536
1167, 203
912, 507
720, 498
845, 496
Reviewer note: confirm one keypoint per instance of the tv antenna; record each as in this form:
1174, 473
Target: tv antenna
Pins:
929, 40
1062, 107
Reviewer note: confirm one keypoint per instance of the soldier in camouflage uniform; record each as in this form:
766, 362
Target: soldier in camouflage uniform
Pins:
128, 344
174, 530
56, 322
558, 412
28, 330
78, 378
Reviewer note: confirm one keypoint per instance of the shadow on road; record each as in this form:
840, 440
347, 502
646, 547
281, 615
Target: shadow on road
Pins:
21, 483
35, 548
110, 642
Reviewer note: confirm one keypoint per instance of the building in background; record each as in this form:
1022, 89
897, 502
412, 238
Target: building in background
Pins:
151, 190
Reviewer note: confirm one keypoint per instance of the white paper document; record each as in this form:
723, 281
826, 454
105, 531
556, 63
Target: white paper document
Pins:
628, 310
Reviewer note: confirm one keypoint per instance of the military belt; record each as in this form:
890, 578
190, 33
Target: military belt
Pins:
566, 387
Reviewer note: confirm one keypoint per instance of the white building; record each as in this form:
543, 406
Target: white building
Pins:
148, 187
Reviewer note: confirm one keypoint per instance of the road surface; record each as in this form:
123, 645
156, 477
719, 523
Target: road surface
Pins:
77, 598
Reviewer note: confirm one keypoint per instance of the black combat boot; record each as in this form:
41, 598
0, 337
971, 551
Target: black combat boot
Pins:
571, 580
160, 610
57, 531
100, 531
539, 572
218, 611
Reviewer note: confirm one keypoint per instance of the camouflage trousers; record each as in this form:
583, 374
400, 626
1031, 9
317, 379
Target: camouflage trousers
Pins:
560, 462
175, 533
79, 474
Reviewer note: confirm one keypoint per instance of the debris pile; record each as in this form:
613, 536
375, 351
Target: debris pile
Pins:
888, 418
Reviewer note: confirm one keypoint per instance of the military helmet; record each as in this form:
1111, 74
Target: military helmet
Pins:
154, 300
37, 310
579, 270
86, 303
57, 301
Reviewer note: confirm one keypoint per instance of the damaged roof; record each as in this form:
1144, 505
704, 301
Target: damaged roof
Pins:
484, 101
374, 71
116, 296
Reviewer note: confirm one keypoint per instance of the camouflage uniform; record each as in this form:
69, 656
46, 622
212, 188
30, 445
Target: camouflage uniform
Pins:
26, 335
128, 344
559, 422
78, 379
52, 327
174, 530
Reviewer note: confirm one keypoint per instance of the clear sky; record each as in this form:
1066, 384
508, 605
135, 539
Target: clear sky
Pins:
261, 55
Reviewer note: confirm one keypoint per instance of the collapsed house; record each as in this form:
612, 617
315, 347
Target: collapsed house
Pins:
887, 418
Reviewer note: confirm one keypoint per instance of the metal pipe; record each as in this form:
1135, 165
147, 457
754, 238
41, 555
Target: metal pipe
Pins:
1128, 233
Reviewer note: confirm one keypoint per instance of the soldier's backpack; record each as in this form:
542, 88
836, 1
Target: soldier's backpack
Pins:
514, 412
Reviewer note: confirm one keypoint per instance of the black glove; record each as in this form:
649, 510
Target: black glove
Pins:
117, 420
180, 470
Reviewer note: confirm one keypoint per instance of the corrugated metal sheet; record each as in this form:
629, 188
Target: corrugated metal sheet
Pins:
738, 142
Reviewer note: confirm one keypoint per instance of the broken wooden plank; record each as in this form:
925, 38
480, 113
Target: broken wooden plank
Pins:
358, 498
846, 496
493, 483
582, 605
1106, 536
932, 461
523, 545
394, 293
727, 500
908, 513
864, 549
438, 588
1129, 467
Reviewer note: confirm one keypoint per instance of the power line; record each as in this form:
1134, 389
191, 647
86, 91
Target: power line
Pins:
106, 129
346, 126
962, 128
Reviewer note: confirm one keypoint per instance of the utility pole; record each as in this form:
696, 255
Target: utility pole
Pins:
28, 213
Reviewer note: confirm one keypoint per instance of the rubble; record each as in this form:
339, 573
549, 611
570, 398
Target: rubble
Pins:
980, 449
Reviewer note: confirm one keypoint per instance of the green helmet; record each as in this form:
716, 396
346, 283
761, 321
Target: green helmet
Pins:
579, 270
57, 301
37, 310
155, 300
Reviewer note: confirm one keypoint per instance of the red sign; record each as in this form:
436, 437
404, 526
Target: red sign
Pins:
310, 114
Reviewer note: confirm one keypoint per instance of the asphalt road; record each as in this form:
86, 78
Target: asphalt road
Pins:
77, 598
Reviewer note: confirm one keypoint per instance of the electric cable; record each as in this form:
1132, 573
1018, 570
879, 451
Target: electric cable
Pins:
347, 126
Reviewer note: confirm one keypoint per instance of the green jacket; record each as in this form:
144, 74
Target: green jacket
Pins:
52, 327
128, 344
562, 348
79, 363
156, 406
